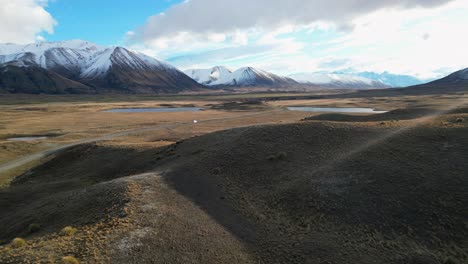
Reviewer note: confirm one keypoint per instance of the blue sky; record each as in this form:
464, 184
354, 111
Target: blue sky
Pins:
422, 38
102, 22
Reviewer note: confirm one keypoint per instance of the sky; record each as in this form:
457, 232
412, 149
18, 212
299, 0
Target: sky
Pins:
422, 38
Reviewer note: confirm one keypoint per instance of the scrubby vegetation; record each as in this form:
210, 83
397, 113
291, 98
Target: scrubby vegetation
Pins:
18, 242
34, 227
216, 171
70, 260
68, 231
278, 156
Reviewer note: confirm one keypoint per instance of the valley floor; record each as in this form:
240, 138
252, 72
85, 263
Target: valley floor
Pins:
250, 182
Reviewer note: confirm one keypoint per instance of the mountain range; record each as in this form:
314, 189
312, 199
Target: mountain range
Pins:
337, 80
81, 66
77, 66
392, 80
246, 76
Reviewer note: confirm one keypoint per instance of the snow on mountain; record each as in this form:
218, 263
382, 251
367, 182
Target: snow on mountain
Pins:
88, 59
218, 75
68, 54
246, 76
109, 67
336, 80
392, 80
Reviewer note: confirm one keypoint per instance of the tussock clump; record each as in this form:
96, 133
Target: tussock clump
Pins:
278, 156
281, 155
18, 242
70, 260
68, 231
451, 260
216, 171
34, 227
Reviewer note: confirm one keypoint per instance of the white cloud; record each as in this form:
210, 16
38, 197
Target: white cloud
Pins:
417, 42
220, 16
425, 38
21, 21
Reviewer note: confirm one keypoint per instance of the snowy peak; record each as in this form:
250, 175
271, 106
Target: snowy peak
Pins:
40, 47
251, 76
79, 58
246, 76
97, 66
103, 60
337, 80
392, 80
217, 75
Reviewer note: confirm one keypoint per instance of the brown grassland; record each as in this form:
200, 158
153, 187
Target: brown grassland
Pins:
250, 182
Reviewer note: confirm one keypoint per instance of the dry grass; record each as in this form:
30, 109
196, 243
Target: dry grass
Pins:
89, 122
68, 231
70, 260
18, 242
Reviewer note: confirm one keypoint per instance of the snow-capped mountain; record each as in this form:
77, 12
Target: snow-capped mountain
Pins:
392, 80
104, 68
246, 76
218, 75
337, 80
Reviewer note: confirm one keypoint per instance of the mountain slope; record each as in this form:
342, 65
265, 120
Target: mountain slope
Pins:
127, 71
106, 69
337, 80
458, 77
35, 80
249, 76
246, 76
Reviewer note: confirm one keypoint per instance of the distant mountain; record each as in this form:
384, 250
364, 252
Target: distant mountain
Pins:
457, 78
218, 75
247, 76
392, 80
454, 83
105, 69
337, 80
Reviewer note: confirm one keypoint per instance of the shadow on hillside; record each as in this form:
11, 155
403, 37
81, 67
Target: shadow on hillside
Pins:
332, 197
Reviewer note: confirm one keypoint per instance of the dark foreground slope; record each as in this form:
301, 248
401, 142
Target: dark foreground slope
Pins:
312, 192
335, 192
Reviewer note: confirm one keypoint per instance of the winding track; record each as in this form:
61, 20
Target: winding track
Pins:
42, 154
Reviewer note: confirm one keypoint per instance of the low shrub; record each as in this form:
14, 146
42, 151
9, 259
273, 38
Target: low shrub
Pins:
70, 260
451, 260
281, 155
34, 227
216, 171
18, 242
278, 156
68, 231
